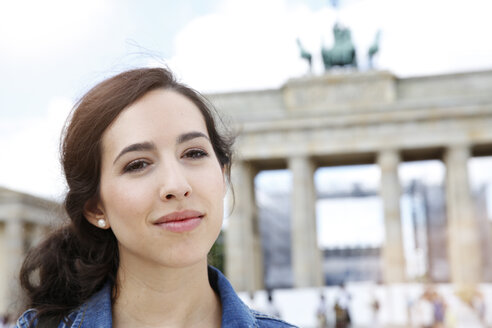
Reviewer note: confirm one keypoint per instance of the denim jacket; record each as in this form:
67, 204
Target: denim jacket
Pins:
96, 312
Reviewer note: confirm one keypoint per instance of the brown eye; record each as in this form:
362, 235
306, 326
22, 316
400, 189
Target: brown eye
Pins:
195, 153
135, 166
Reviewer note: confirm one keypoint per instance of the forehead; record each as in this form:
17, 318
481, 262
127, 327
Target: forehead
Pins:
158, 114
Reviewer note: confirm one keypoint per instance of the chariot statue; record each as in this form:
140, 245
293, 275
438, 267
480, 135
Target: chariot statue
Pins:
343, 52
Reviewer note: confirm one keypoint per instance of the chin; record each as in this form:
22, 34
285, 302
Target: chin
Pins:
187, 260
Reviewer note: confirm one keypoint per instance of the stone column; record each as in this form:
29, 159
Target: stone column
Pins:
38, 233
463, 237
243, 251
306, 256
393, 255
14, 252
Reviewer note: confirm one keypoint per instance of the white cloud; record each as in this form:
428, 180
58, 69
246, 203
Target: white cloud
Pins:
251, 45
31, 157
245, 45
34, 27
431, 37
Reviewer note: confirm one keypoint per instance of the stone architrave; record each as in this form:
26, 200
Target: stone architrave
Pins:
463, 237
306, 256
244, 260
393, 255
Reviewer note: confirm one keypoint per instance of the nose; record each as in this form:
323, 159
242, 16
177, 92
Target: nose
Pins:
174, 183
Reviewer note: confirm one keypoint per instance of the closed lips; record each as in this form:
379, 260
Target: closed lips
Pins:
180, 216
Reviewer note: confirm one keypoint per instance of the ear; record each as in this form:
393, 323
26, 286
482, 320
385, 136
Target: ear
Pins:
94, 212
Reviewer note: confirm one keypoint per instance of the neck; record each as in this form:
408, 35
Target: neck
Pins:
167, 297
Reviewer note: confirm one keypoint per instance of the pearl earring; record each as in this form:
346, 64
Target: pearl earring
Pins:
101, 223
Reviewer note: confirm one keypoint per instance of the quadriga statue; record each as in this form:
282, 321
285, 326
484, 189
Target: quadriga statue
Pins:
343, 52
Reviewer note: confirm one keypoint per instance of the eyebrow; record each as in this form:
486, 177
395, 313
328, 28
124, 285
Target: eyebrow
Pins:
189, 136
149, 146
143, 146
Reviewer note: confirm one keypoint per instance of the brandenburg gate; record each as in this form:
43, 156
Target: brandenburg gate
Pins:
357, 118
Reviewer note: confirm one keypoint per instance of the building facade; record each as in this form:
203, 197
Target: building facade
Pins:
357, 118
24, 220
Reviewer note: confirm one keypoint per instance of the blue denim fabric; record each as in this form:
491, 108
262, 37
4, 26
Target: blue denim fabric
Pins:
96, 312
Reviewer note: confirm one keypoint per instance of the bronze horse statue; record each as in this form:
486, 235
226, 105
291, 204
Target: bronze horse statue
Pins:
305, 54
343, 51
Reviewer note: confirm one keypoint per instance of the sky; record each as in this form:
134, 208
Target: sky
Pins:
53, 51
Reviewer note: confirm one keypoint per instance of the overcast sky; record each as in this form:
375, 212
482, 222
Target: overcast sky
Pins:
52, 51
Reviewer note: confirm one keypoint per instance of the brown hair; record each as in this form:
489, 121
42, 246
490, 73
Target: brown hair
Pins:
77, 259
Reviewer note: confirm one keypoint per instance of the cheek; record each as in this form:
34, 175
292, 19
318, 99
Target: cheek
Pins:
121, 201
211, 186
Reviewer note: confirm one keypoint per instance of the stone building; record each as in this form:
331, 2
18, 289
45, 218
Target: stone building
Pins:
24, 219
357, 118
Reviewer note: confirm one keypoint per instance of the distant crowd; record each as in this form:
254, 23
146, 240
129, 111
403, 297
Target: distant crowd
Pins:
428, 310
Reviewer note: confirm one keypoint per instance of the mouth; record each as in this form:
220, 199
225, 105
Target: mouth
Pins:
182, 221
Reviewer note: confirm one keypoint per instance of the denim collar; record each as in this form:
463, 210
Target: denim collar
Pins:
235, 313
96, 312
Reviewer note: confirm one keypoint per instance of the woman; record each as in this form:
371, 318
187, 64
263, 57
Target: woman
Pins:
146, 169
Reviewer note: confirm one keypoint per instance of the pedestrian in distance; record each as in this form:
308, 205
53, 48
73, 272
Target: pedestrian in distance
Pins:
321, 312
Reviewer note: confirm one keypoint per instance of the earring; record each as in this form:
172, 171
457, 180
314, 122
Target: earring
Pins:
101, 223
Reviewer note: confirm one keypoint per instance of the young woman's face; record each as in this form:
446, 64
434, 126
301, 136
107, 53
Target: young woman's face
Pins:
162, 187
